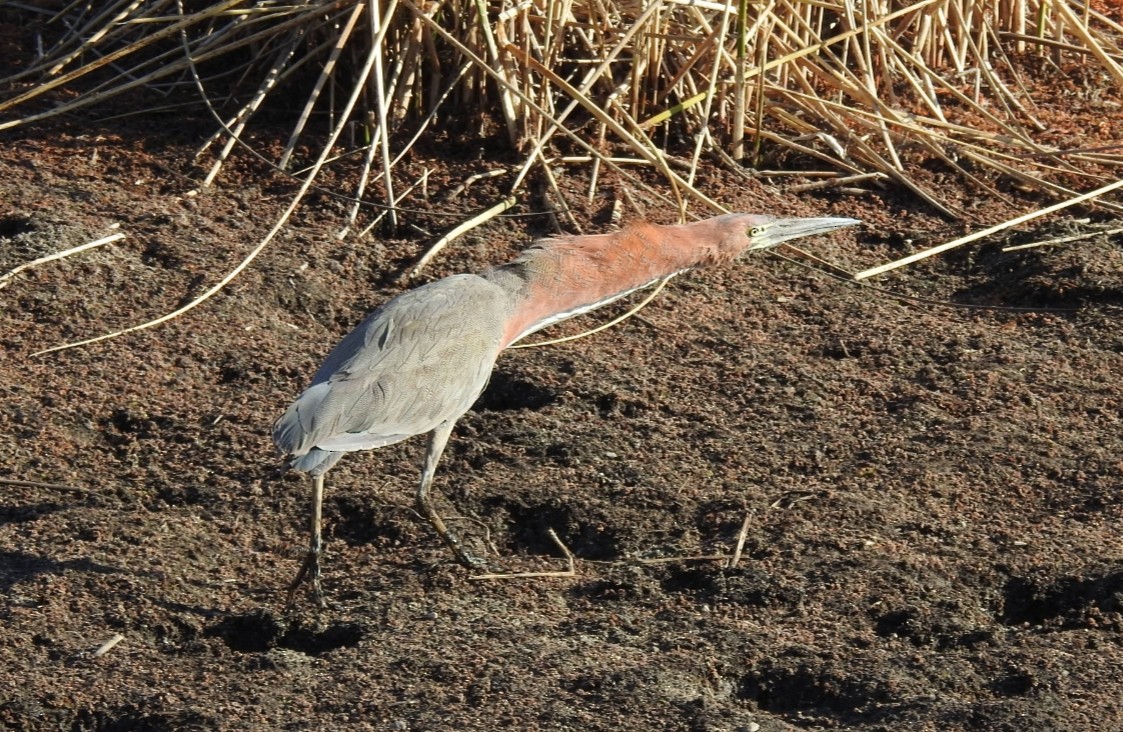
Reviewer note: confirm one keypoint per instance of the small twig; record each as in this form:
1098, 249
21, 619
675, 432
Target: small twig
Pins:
1063, 240
108, 646
58, 255
474, 178
565, 550
689, 558
51, 486
741, 536
835, 182
457, 231
790, 498
570, 571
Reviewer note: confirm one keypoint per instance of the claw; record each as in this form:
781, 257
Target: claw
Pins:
310, 565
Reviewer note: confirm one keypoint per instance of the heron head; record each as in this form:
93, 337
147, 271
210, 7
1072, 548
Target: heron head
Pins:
767, 231
747, 232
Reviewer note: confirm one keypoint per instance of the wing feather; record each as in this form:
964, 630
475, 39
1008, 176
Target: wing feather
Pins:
415, 363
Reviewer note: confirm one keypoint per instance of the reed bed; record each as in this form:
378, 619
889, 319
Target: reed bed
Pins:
854, 90
859, 87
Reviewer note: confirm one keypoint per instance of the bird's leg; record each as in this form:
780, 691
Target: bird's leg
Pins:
438, 438
311, 564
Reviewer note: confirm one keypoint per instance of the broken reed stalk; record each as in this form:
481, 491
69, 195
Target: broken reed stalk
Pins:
1063, 240
4, 279
569, 571
457, 231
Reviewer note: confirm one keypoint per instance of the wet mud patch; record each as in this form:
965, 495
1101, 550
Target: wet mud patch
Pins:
744, 587
792, 685
128, 718
527, 527
262, 631
1094, 600
506, 392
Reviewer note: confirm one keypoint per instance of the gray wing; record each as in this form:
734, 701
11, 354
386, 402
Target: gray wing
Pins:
418, 361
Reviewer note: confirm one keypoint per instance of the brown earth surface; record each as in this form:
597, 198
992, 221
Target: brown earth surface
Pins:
932, 494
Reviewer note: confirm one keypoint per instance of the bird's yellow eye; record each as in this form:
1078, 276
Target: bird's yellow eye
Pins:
756, 231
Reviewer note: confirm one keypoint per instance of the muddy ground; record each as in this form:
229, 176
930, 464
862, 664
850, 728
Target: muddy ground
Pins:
932, 494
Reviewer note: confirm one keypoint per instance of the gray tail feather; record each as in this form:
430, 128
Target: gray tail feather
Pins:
289, 435
314, 462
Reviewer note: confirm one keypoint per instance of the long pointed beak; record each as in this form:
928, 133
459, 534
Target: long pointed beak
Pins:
781, 230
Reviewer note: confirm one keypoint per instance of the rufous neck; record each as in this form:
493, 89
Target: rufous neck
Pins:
559, 278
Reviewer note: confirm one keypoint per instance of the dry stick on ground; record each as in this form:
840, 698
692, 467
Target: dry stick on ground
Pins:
458, 230
835, 182
570, 571
58, 255
741, 536
686, 558
1063, 240
986, 232
50, 486
475, 178
107, 646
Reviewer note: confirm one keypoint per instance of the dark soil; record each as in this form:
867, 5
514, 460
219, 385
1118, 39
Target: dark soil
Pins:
932, 494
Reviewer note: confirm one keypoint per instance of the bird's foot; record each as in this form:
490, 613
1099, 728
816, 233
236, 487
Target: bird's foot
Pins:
310, 567
471, 561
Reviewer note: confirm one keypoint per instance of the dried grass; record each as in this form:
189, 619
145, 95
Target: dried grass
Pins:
861, 86
856, 84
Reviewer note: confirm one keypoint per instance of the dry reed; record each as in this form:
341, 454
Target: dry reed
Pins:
855, 84
859, 86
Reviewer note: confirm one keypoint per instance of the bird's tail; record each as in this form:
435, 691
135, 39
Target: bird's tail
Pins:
314, 462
